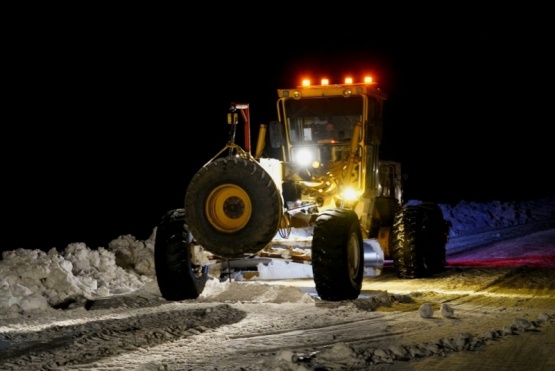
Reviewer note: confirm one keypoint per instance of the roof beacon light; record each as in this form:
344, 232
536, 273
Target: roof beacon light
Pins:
324, 82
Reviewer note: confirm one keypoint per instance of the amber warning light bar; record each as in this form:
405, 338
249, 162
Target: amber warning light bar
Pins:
325, 81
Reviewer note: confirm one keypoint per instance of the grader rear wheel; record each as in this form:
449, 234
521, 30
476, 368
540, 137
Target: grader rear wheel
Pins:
418, 241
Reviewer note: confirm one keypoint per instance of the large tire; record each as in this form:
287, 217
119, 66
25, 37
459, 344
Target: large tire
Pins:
233, 207
178, 278
418, 241
437, 234
337, 255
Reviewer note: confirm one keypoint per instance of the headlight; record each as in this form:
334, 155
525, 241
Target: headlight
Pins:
305, 156
350, 194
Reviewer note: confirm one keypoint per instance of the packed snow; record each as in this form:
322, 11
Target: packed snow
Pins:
34, 283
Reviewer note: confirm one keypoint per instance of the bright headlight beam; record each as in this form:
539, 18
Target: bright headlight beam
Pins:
304, 157
350, 194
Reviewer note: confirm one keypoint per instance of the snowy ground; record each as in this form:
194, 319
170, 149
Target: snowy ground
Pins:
100, 309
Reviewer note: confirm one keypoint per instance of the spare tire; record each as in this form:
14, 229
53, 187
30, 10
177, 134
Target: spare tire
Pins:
233, 207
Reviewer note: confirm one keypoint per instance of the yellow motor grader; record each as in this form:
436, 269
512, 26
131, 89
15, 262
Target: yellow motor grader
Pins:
314, 192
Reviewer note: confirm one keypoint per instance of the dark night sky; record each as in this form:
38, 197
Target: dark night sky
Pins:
107, 122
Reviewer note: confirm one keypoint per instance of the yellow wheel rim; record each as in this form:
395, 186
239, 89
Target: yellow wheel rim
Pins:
228, 208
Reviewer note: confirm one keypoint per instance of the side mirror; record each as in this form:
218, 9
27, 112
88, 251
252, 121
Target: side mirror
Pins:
276, 136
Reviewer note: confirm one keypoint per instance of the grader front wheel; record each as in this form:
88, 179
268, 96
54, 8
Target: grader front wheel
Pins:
179, 274
337, 255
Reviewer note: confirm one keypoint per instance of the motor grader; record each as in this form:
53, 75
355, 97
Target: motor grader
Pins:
314, 191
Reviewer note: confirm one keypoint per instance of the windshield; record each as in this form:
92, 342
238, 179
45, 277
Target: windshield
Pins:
322, 120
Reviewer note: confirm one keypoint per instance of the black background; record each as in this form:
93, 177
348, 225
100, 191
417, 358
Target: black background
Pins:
107, 117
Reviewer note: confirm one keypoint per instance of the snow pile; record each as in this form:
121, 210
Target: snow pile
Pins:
473, 217
33, 279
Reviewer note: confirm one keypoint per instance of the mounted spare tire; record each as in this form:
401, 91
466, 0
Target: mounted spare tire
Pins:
418, 241
178, 274
233, 207
337, 255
